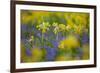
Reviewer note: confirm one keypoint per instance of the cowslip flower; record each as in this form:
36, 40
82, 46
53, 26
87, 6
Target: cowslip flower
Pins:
78, 29
56, 27
68, 27
62, 27
43, 27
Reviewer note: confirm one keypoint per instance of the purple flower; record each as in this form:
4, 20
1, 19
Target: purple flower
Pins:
55, 43
23, 26
27, 51
60, 37
85, 38
79, 52
39, 34
50, 53
27, 27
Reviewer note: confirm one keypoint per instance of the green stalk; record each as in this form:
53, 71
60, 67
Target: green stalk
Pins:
42, 39
57, 37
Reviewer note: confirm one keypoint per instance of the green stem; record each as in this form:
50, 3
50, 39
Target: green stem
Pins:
64, 34
57, 37
42, 39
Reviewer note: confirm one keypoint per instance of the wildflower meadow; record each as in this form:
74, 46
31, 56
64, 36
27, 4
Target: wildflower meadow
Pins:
54, 36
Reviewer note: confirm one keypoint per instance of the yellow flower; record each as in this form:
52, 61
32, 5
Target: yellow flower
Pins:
62, 44
78, 29
62, 27
85, 51
60, 58
37, 54
63, 58
43, 27
56, 27
55, 24
69, 42
24, 57
43, 30
22, 51
26, 17
68, 27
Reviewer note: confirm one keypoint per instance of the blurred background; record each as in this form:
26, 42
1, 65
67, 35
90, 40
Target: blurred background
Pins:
54, 36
